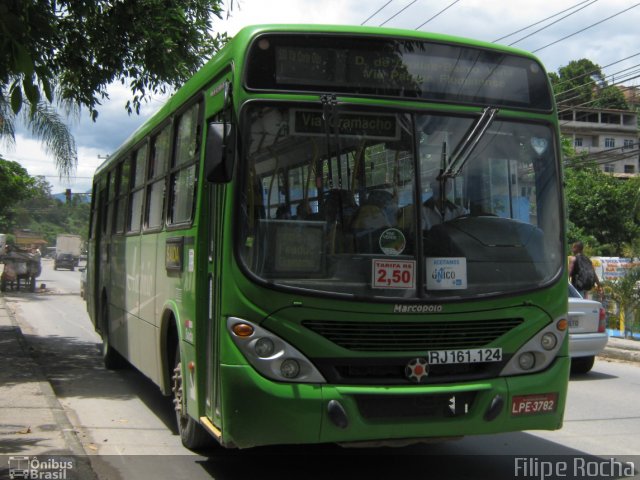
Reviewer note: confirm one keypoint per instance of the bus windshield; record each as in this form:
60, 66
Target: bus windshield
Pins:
367, 203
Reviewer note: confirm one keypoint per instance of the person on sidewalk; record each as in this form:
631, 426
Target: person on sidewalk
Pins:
582, 275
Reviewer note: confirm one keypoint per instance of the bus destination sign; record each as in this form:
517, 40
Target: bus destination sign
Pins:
410, 73
379, 126
426, 70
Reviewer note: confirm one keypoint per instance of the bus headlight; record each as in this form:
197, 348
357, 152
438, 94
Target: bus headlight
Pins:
538, 353
549, 341
264, 347
526, 360
290, 368
270, 355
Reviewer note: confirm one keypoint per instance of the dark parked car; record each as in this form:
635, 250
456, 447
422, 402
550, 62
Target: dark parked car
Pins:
64, 260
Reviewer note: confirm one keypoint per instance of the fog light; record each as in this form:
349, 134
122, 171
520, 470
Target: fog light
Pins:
264, 347
527, 360
290, 368
549, 341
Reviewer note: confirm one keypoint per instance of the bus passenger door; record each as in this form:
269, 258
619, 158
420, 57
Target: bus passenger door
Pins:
214, 264
217, 98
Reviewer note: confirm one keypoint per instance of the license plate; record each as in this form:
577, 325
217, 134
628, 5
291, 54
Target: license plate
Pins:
473, 355
574, 322
533, 404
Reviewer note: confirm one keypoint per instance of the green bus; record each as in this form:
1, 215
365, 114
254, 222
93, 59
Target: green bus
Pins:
341, 234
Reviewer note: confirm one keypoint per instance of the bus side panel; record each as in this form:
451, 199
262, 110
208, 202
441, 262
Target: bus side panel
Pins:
117, 294
149, 321
132, 301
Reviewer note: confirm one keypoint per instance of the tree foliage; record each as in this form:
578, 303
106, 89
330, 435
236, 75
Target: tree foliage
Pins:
26, 203
15, 185
66, 53
601, 207
77, 48
581, 83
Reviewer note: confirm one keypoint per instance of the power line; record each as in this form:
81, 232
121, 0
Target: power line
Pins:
398, 13
437, 14
376, 12
539, 22
58, 177
631, 154
596, 71
621, 78
594, 100
552, 23
586, 28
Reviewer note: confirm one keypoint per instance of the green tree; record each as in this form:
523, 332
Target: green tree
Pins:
39, 211
610, 96
625, 292
15, 185
44, 122
582, 83
72, 50
602, 207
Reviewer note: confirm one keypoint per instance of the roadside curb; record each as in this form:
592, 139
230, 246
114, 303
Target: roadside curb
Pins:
83, 467
621, 353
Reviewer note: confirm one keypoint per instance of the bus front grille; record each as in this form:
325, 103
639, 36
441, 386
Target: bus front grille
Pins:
412, 336
392, 371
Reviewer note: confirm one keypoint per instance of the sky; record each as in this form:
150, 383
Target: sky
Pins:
603, 31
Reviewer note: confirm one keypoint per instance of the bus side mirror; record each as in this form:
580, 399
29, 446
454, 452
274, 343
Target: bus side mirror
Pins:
219, 152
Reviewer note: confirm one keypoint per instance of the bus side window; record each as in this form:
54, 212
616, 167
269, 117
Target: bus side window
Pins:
158, 166
184, 172
137, 194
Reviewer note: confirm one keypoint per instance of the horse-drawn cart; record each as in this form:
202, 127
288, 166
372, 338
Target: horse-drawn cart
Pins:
20, 265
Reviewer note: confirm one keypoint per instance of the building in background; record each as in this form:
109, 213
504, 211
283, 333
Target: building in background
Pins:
609, 137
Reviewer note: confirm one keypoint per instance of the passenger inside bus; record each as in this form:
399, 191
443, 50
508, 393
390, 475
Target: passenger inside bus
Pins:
438, 208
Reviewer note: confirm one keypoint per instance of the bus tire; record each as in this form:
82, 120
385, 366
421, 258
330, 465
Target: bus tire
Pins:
111, 358
582, 364
192, 434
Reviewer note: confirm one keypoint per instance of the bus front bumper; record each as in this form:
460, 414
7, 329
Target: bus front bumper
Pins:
257, 411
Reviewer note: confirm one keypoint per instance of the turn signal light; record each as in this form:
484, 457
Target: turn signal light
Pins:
562, 324
242, 329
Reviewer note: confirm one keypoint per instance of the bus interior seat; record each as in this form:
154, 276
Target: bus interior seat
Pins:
338, 203
367, 224
406, 218
338, 209
386, 201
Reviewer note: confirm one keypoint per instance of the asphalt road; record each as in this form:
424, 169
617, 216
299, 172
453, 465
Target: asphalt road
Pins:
125, 424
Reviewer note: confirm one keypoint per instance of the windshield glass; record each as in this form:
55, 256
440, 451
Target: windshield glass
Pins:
328, 203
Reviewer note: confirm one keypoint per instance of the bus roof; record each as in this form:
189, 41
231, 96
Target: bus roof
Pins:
236, 47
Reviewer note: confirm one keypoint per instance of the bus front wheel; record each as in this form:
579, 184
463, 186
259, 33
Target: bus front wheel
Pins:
192, 434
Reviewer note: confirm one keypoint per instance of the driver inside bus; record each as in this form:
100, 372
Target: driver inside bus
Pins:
438, 208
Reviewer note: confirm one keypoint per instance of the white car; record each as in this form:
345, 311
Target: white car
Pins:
587, 331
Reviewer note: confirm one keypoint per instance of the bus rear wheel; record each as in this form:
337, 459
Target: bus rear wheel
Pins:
111, 358
192, 434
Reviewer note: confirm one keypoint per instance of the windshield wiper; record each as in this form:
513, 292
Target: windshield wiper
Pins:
471, 139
